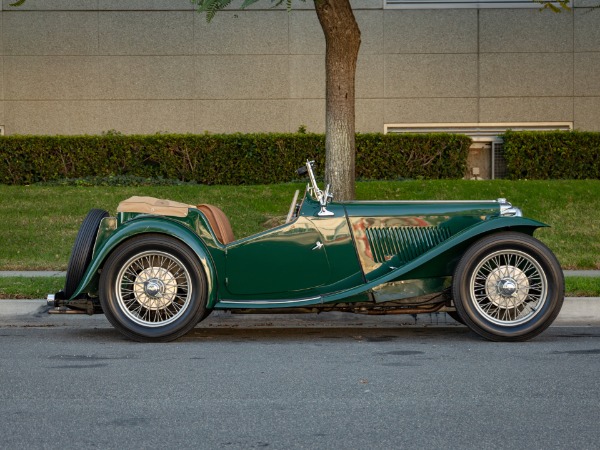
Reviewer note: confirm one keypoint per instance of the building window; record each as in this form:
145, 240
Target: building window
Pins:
454, 4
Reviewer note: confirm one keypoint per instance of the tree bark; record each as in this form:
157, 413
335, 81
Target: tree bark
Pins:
342, 38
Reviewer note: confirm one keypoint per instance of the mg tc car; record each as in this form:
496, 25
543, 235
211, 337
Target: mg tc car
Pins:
160, 267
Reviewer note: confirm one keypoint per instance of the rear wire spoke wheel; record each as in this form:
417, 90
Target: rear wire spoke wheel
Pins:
153, 288
508, 287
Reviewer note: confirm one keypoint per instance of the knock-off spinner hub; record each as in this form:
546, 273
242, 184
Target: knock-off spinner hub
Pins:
507, 286
155, 288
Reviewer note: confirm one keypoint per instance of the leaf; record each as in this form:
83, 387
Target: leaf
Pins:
210, 7
17, 3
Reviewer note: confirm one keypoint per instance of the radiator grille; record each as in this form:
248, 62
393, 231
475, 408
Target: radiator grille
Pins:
405, 242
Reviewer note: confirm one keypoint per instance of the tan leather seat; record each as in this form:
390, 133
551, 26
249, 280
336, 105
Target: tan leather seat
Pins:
218, 222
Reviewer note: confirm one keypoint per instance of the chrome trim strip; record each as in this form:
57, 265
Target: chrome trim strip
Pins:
267, 302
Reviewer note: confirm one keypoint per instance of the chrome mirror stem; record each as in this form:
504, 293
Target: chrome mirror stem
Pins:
322, 197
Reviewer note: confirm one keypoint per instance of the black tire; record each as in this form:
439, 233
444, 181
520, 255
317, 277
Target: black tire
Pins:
153, 288
508, 287
81, 255
454, 315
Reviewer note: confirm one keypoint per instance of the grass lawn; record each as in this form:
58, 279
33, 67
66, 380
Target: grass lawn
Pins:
39, 223
29, 287
39, 287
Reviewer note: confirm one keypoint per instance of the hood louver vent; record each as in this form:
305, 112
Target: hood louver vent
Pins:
406, 242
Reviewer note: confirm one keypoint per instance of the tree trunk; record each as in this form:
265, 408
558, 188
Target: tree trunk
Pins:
342, 37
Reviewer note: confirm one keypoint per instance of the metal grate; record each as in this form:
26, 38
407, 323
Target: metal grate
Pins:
406, 242
499, 169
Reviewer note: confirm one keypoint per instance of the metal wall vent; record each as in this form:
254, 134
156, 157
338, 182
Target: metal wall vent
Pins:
499, 169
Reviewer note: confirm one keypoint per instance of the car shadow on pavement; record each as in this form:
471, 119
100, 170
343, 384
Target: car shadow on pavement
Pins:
274, 335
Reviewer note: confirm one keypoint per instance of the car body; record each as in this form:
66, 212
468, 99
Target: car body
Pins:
160, 267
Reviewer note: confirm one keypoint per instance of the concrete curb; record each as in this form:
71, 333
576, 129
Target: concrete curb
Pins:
576, 311
582, 273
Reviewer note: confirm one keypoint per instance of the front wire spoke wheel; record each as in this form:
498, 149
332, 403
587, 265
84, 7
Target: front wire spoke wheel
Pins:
508, 286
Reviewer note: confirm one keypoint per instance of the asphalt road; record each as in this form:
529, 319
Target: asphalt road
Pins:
263, 386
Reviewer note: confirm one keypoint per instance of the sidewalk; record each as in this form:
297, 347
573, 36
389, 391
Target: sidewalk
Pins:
576, 311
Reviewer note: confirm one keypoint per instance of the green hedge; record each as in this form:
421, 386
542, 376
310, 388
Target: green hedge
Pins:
543, 155
223, 159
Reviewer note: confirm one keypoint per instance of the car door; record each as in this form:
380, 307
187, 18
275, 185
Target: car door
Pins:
280, 263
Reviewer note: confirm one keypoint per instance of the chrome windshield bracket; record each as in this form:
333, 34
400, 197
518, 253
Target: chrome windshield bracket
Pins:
324, 212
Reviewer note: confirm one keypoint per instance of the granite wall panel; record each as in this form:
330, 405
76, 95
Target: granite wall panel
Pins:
307, 112
430, 75
587, 74
146, 116
587, 113
526, 109
307, 76
51, 78
50, 33
524, 30
146, 77
256, 77
430, 31
526, 74
51, 117
244, 33
430, 110
146, 33
243, 116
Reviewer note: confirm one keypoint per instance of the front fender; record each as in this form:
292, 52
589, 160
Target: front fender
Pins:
144, 225
440, 260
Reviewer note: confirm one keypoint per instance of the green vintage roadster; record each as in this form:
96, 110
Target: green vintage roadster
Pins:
160, 267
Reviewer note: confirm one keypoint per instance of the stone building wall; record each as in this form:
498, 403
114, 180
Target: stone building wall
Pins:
88, 66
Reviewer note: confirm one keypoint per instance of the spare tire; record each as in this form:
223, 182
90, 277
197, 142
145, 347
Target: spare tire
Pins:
81, 255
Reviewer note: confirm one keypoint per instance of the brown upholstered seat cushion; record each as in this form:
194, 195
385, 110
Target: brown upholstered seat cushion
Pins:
218, 222
151, 205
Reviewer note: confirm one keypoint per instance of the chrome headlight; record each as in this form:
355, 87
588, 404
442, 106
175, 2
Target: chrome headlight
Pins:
508, 210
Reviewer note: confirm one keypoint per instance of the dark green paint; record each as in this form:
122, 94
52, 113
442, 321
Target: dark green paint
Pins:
278, 268
439, 261
145, 224
283, 263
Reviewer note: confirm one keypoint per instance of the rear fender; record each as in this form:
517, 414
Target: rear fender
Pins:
440, 260
145, 225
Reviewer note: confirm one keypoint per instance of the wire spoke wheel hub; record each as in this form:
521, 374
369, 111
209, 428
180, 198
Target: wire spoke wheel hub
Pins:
153, 288
508, 287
